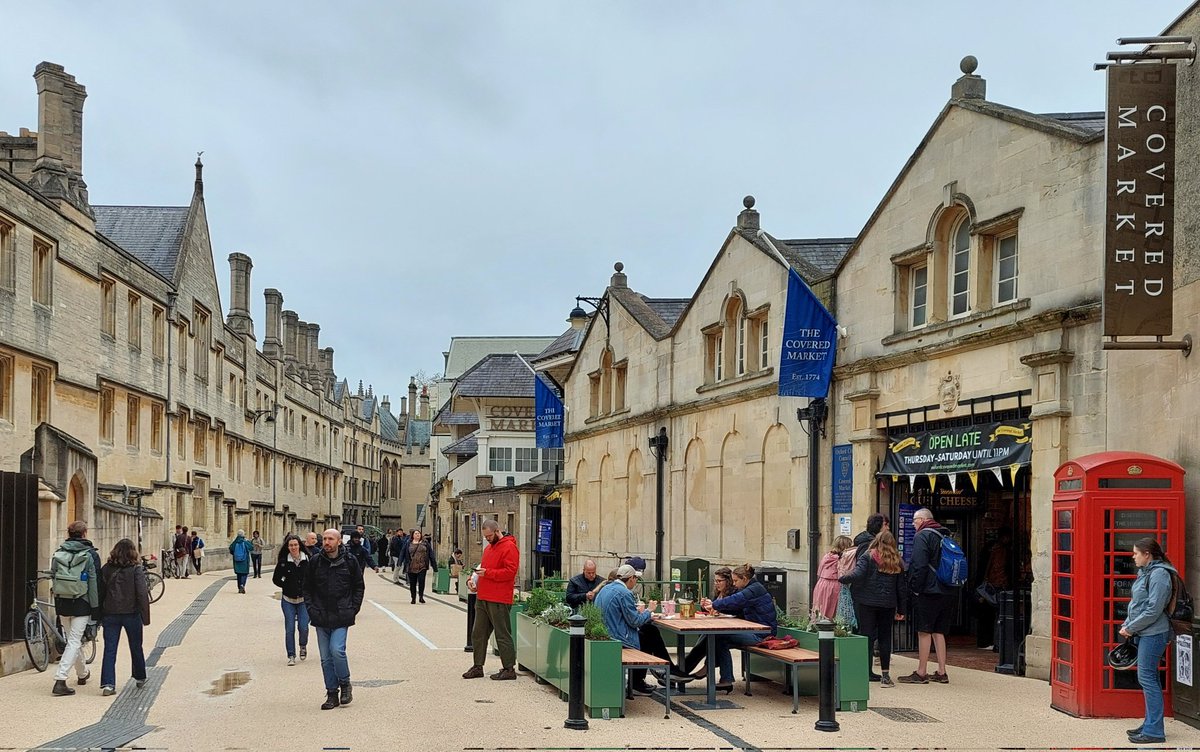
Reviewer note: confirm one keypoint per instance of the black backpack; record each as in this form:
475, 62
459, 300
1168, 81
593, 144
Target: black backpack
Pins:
1179, 608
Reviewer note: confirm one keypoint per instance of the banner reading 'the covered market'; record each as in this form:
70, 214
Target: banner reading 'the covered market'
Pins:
960, 450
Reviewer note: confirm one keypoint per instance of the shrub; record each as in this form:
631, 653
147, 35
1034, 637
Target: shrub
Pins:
654, 594
556, 615
787, 620
539, 600
593, 628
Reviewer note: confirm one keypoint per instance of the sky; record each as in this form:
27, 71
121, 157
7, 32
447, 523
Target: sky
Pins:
405, 172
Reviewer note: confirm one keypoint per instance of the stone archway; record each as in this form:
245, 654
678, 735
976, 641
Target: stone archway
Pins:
76, 498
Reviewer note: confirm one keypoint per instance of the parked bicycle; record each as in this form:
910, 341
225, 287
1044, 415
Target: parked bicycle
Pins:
39, 628
154, 581
171, 570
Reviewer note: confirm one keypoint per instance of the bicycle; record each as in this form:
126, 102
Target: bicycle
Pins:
155, 585
39, 628
169, 568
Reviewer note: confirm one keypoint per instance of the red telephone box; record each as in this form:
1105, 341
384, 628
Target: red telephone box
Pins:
1102, 504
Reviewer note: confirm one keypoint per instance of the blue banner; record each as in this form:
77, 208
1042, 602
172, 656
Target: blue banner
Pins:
843, 479
548, 410
809, 342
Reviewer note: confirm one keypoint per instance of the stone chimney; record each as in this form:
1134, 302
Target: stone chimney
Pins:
330, 373
291, 322
748, 217
239, 294
386, 404
313, 334
618, 278
403, 408
969, 86
272, 346
412, 397
58, 171
423, 413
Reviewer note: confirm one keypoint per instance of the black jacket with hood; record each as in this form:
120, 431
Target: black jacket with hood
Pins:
927, 552
870, 587
333, 589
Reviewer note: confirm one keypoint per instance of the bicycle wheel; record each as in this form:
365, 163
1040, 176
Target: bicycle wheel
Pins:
89, 646
37, 641
155, 585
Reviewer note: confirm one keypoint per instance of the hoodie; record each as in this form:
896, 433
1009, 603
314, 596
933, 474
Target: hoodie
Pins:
500, 563
1149, 598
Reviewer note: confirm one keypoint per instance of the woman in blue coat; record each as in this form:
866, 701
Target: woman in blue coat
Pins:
240, 550
1146, 622
751, 602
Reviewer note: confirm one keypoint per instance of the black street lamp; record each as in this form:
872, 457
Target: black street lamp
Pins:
658, 447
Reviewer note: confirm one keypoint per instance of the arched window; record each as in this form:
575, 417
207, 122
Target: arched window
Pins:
959, 257
606, 384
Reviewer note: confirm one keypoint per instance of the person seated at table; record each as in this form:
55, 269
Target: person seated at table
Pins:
582, 588
630, 624
751, 602
722, 586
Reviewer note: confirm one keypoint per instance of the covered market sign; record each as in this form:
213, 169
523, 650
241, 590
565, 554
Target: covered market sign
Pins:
993, 447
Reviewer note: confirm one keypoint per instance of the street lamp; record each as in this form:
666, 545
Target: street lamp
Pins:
658, 447
270, 414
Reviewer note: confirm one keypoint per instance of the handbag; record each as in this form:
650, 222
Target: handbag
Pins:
778, 643
986, 592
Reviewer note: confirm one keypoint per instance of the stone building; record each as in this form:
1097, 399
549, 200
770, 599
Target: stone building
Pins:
404, 475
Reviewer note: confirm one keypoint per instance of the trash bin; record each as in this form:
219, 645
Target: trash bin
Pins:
1185, 690
774, 579
441, 581
1012, 625
693, 570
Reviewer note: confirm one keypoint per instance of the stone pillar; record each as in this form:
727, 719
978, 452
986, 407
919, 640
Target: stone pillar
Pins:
330, 373
58, 171
239, 294
291, 322
272, 345
412, 398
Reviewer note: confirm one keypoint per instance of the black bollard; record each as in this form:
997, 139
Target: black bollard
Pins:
470, 648
576, 718
828, 685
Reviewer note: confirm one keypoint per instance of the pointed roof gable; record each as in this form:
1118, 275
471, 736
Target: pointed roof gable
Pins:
152, 234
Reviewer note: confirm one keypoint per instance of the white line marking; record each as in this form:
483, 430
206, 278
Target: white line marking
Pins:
404, 624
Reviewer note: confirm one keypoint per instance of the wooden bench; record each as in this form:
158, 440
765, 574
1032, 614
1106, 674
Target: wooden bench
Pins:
636, 659
792, 658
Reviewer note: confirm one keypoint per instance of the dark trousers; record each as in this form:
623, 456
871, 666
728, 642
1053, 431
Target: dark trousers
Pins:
196, 563
256, 560
652, 642
113, 624
416, 585
493, 616
875, 623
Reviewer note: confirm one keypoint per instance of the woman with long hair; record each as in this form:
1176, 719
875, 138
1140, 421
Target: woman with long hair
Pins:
751, 601
416, 559
1146, 623
878, 580
289, 577
827, 591
722, 586
126, 606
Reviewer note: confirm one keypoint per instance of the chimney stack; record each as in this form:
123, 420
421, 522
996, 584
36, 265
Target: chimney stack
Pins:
291, 322
58, 171
423, 413
969, 86
272, 346
239, 294
748, 217
314, 333
412, 397
403, 407
386, 404
330, 374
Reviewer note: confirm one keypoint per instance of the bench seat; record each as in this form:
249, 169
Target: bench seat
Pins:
790, 655
793, 657
632, 659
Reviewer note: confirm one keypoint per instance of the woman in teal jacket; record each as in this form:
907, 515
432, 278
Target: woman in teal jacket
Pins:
240, 550
1146, 621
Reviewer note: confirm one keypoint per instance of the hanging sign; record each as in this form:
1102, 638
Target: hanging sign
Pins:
545, 532
843, 479
908, 531
1140, 205
809, 336
549, 414
960, 450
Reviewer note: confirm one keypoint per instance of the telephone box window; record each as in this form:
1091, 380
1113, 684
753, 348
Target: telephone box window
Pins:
1113, 483
1064, 629
1072, 484
1064, 585
1065, 518
1064, 541
1064, 673
1064, 607
1136, 519
1064, 563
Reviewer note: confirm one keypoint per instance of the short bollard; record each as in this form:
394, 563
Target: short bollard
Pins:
470, 622
576, 718
827, 712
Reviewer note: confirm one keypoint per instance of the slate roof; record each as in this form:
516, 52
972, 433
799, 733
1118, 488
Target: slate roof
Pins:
367, 409
153, 234
823, 253
447, 418
668, 309
466, 446
567, 342
389, 427
1088, 121
466, 352
645, 314
419, 432
339, 390
497, 375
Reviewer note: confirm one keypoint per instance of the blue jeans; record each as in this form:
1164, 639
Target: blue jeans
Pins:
256, 560
294, 614
113, 624
335, 667
241, 579
1150, 653
725, 646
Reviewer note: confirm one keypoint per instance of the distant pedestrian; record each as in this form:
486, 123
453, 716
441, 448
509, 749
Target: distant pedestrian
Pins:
183, 553
126, 606
379, 549
75, 579
256, 552
456, 562
289, 577
366, 542
934, 604
396, 549
356, 549
825, 594
197, 550
312, 544
241, 551
1146, 622
493, 582
879, 598
417, 559
333, 593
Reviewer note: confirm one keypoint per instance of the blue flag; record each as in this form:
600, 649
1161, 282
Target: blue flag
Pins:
809, 342
548, 409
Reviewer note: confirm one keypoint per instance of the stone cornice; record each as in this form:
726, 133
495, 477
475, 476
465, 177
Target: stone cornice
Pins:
863, 395
1048, 357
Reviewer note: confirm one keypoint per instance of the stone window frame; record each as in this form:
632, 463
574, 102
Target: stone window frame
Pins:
134, 320
607, 386
108, 414
200, 441
133, 422
8, 369
181, 335
156, 428
202, 341
40, 399
108, 307
158, 327
42, 275
8, 254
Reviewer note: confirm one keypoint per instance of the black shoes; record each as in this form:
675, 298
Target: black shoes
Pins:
505, 674
474, 672
726, 688
642, 689
422, 600
1143, 739
331, 700
61, 689
347, 694
82, 681
873, 677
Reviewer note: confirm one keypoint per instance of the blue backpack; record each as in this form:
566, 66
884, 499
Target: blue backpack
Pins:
239, 551
951, 566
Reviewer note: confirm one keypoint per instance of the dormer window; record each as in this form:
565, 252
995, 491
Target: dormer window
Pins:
607, 385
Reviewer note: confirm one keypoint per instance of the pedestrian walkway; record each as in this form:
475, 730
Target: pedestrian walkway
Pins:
227, 685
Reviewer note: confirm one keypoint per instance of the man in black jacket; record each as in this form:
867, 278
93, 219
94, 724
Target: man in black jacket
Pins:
359, 551
933, 603
396, 548
333, 594
875, 523
580, 587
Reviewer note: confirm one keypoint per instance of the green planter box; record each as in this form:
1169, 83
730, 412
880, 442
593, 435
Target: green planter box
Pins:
546, 651
602, 687
525, 637
854, 667
463, 576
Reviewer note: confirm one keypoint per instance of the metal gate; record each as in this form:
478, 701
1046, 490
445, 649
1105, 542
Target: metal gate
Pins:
18, 549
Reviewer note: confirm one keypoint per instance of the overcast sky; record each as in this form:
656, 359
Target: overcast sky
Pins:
407, 172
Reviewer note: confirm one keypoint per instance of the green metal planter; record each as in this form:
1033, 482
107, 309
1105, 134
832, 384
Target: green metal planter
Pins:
525, 636
854, 665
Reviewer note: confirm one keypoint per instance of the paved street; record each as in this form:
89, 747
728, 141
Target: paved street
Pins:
227, 686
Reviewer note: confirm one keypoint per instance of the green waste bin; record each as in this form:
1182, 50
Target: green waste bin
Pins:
693, 570
1185, 683
441, 582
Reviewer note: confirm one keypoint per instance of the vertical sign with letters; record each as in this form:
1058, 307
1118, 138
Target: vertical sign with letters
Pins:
843, 479
1139, 217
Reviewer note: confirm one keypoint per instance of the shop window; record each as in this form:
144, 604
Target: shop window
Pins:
8, 256
500, 459
134, 319
108, 307
107, 418
133, 422
43, 272
40, 395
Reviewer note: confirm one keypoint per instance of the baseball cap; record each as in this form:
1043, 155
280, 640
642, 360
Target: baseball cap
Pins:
624, 572
638, 564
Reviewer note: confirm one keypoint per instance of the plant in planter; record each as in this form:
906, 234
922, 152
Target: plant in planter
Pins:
539, 600
593, 627
654, 594
556, 615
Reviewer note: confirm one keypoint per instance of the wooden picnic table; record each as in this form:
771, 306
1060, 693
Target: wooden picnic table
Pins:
711, 627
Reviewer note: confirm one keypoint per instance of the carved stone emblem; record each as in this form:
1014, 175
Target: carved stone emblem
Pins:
948, 392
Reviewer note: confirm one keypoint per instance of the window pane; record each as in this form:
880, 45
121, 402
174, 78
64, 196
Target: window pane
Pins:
1007, 291
1064, 518
962, 238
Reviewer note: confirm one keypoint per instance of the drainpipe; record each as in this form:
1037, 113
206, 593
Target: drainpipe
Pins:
815, 414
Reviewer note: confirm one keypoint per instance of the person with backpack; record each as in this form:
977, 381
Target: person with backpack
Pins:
75, 580
241, 551
1147, 622
935, 566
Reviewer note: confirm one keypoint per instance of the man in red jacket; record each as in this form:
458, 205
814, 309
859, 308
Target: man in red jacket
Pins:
493, 585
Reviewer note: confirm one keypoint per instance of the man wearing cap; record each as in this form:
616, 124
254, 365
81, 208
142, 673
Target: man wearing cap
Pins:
632, 625
651, 638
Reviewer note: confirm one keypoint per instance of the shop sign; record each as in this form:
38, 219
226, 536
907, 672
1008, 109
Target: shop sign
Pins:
843, 479
960, 450
1140, 208
545, 531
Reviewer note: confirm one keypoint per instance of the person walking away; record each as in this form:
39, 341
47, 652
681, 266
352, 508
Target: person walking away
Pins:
256, 552
418, 558
75, 580
333, 594
722, 586
356, 549
456, 566
1146, 622
396, 549
750, 601
494, 579
241, 550
197, 550
289, 578
878, 587
933, 602
126, 606
312, 544
827, 591
581, 588
380, 547
876, 523
180, 552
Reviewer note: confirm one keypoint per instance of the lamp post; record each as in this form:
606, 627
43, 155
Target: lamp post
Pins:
270, 413
658, 447
815, 414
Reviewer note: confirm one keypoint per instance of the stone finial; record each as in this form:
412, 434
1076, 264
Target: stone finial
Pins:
748, 202
969, 85
619, 279
199, 174
748, 217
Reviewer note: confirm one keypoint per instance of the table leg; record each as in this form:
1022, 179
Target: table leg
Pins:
711, 678
679, 657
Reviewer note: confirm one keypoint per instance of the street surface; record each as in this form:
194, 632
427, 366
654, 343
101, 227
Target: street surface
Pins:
227, 686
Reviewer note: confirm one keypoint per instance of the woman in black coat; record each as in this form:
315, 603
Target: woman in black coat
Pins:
289, 577
126, 606
878, 588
